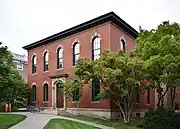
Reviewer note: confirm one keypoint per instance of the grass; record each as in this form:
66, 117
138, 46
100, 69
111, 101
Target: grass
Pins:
8, 120
117, 124
66, 124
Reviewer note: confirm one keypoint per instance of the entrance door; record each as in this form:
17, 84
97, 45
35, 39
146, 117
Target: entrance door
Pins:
59, 96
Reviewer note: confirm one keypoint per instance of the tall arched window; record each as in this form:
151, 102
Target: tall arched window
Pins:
123, 45
59, 58
34, 93
96, 48
148, 95
46, 61
95, 90
34, 64
45, 89
76, 53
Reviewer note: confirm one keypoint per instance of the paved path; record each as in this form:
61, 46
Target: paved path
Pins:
38, 121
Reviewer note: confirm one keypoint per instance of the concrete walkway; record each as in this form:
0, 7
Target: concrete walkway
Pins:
38, 121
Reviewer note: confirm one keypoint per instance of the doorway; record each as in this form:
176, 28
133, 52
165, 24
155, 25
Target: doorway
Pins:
59, 96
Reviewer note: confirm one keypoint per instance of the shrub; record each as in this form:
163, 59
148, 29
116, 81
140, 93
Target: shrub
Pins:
2, 108
161, 119
14, 109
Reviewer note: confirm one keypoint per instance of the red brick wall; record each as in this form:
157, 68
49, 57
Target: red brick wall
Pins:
85, 38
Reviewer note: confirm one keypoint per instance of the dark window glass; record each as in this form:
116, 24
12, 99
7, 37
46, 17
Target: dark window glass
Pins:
148, 95
123, 45
33, 93
95, 90
60, 58
34, 64
45, 92
96, 48
46, 60
76, 53
137, 95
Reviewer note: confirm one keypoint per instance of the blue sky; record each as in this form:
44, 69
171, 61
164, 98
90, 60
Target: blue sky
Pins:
25, 21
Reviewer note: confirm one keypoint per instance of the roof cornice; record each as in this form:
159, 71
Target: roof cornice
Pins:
84, 26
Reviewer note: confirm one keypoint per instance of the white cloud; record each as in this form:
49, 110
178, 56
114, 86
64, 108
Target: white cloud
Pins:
23, 22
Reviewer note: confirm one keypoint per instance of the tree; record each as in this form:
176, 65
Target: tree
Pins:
73, 89
160, 49
13, 87
119, 75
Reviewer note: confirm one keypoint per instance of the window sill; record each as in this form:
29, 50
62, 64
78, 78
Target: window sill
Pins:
34, 74
95, 101
60, 69
45, 101
34, 102
148, 104
46, 71
75, 101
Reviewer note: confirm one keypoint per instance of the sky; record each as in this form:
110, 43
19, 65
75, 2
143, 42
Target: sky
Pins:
25, 21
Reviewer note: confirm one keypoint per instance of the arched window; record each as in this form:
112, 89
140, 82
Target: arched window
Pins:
123, 45
46, 60
76, 53
45, 89
34, 93
34, 64
95, 90
148, 95
96, 48
59, 58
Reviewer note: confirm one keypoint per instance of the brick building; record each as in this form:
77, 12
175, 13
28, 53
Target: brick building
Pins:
53, 59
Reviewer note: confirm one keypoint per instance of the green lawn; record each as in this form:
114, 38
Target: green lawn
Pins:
66, 124
8, 120
116, 124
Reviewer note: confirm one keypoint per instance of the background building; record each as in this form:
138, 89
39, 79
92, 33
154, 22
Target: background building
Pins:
21, 64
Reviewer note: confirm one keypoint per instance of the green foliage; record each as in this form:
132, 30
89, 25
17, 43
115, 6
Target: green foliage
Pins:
2, 108
72, 87
118, 73
160, 49
161, 119
13, 87
14, 109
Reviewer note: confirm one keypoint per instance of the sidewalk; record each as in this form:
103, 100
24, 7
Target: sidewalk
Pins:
38, 121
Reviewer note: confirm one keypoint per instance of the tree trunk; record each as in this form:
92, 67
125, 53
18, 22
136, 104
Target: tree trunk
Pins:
172, 97
161, 96
128, 106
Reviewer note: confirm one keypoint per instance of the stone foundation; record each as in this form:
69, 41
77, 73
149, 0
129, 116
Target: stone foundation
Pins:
104, 113
100, 113
139, 113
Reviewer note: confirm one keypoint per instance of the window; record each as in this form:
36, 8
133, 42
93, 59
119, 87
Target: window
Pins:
76, 95
59, 58
20, 66
46, 59
95, 90
122, 45
45, 88
76, 53
148, 95
96, 48
34, 64
137, 95
34, 93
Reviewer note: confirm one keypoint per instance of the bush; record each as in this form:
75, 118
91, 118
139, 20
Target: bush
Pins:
2, 108
161, 119
14, 109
